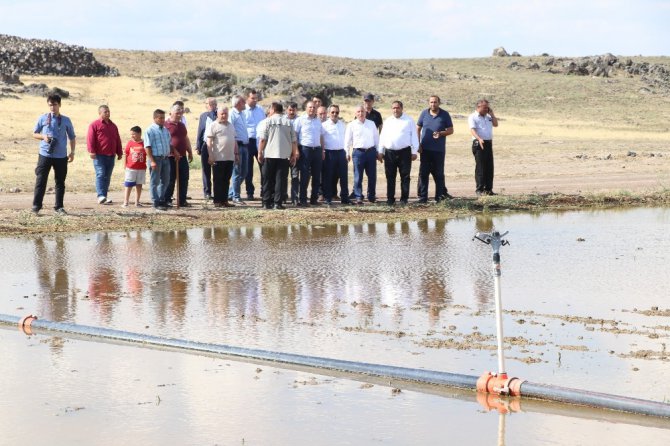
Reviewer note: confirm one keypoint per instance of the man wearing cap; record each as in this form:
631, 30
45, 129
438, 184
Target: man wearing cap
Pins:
433, 127
398, 146
372, 114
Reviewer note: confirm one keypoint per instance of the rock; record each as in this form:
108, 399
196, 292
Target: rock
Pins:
500, 52
534, 66
10, 79
48, 57
15, 190
516, 54
631, 153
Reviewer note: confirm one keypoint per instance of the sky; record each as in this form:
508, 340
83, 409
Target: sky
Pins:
352, 28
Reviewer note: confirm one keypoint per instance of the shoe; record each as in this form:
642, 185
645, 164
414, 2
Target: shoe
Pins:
139, 205
218, 205
346, 202
189, 198
490, 192
266, 206
35, 210
448, 196
403, 202
208, 197
237, 201
125, 205
328, 203
185, 204
61, 211
250, 198
390, 203
314, 203
101, 199
480, 193
359, 202
162, 208
372, 200
108, 201
227, 204
302, 204
279, 207
422, 201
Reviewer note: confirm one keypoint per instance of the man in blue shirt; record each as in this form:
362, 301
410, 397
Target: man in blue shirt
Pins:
433, 127
157, 144
253, 114
53, 130
242, 137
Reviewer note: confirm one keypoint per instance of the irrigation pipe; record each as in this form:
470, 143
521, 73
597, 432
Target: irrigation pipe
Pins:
538, 391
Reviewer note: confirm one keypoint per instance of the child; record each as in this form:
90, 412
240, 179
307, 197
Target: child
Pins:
136, 165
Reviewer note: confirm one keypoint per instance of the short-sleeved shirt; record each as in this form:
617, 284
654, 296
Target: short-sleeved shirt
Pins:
223, 141
136, 155
103, 138
376, 117
59, 127
178, 136
430, 124
308, 131
483, 125
279, 136
158, 138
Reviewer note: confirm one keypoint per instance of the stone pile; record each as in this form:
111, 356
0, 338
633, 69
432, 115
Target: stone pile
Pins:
210, 82
48, 57
656, 76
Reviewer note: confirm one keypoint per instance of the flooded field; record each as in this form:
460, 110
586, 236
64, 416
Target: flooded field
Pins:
585, 298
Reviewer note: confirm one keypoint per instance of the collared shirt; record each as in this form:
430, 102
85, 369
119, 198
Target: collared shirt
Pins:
374, 116
361, 135
399, 133
158, 139
223, 141
253, 116
59, 127
178, 136
483, 125
430, 124
308, 131
279, 136
103, 138
240, 124
333, 134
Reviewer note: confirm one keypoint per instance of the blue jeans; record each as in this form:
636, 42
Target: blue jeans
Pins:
365, 161
312, 160
104, 165
159, 179
239, 172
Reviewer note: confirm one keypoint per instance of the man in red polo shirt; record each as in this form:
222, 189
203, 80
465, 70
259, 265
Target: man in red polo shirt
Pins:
104, 142
182, 144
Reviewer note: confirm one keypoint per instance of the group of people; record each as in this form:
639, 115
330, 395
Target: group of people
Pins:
313, 149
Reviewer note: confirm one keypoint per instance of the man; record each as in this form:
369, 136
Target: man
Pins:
335, 161
278, 148
433, 127
292, 115
253, 114
223, 154
372, 114
206, 119
182, 147
362, 139
309, 132
157, 145
481, 124
104, 142
242, 138
398, 147
53, 130
322, 113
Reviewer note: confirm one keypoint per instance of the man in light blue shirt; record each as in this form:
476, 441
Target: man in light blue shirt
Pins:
242, 137
157, 145
309, 132
253, 114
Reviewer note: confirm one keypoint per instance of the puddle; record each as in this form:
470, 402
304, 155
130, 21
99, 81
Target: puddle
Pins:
584, 293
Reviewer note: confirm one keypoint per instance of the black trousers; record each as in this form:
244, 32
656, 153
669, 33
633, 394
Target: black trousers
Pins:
397, 161
44, 165
275, 180
222, 171
206, 171
483, 165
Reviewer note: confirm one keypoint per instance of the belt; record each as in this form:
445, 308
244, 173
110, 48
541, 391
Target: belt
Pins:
403, 148
240, 143
308, 147
332, 150
365, 150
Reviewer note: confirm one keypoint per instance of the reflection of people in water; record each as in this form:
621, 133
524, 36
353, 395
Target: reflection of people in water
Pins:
482, 279
56, 301
103, 283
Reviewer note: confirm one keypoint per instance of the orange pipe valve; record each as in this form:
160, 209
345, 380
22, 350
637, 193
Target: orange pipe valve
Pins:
499, 384
25, 322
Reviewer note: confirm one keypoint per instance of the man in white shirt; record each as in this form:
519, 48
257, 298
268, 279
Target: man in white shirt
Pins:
398, 147
361, 138
335, 161
309, 132
481, 124
253, 114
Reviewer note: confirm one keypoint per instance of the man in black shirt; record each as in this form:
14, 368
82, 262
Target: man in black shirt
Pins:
372, 114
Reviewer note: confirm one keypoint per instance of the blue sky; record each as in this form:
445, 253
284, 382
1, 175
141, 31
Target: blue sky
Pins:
352, 28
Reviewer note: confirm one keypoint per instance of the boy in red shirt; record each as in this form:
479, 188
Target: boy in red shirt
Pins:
136, 165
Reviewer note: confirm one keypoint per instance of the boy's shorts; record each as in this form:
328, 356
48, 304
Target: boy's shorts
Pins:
134, 177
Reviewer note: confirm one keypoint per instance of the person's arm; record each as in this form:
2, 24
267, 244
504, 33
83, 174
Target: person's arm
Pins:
73, 144
294, 153
91, 141
189, 149
119, 146
261, 150
494, 120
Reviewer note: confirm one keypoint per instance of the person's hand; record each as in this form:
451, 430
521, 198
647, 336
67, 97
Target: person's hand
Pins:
153, 164
92, 155
198, 151
380, 157
414, 157
481, 144
261, 157
210, 161
190, 157
420, 149
118, 157
70, 157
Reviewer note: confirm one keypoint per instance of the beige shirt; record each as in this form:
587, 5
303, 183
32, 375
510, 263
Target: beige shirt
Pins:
280, 136
222, 137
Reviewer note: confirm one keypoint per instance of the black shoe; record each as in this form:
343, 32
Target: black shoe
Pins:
372, 200
390, 203
346, 202
448, 196
280, 207
314, 202
250, 198
359, 202
185, 204
422, 201
329, 203
490, 192
302, 204
35, 210
61, 211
